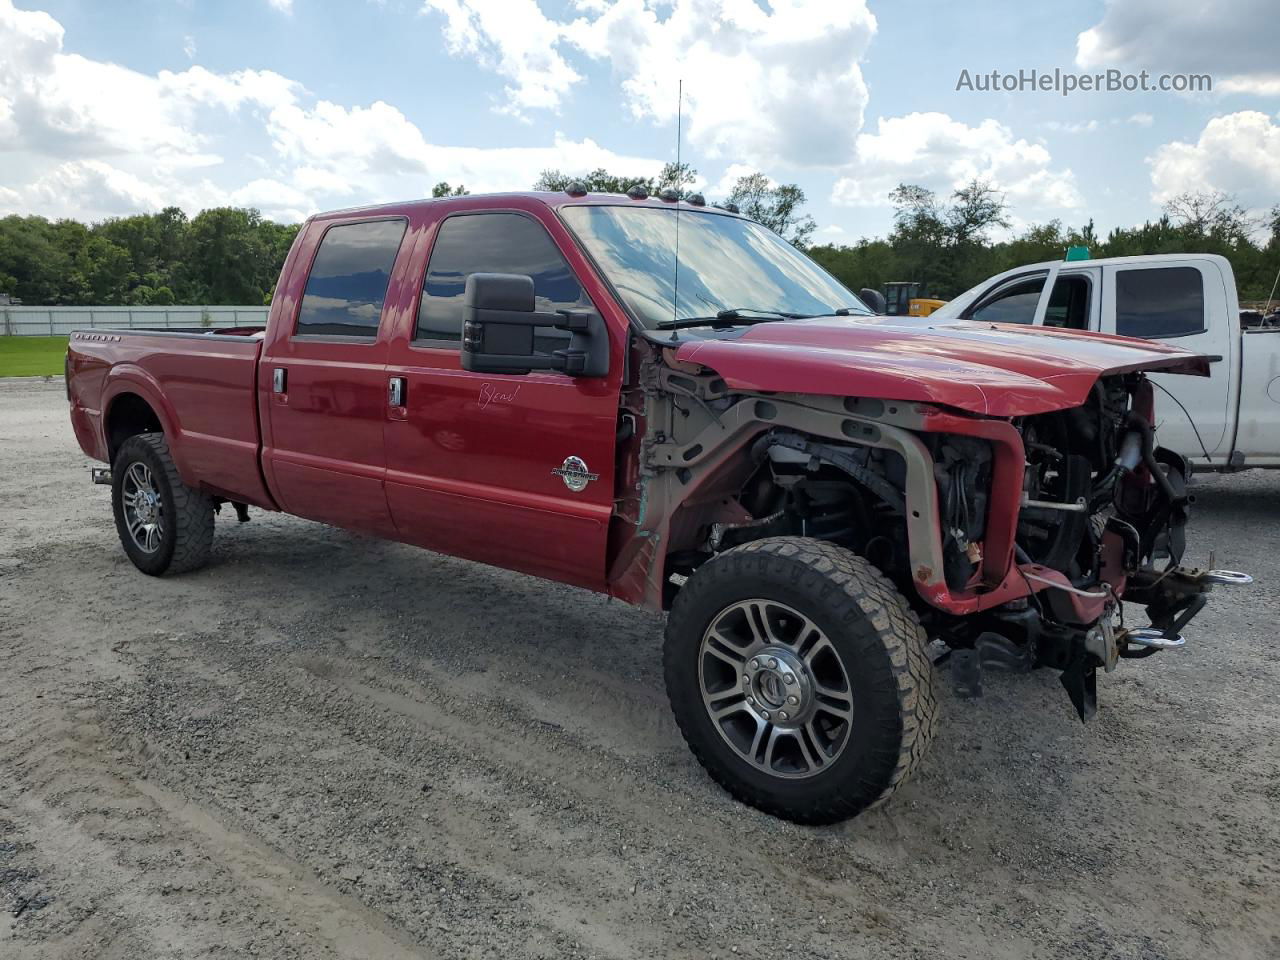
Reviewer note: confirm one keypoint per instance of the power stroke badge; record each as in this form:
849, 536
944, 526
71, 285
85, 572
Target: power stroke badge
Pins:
575, 474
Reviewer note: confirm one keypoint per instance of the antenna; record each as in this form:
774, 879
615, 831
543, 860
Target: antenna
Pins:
1269, 298
675, 284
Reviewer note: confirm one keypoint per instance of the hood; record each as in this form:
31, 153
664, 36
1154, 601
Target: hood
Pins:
998, 370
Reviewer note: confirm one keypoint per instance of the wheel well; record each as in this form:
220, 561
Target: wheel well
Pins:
128, 416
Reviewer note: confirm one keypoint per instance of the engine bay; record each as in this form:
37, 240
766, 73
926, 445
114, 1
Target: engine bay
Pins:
1019, 542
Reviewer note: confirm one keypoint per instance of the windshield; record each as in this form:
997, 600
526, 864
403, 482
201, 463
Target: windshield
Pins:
726, 263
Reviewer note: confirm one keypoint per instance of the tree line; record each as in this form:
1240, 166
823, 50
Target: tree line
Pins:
229, 255
945, 243
224, 255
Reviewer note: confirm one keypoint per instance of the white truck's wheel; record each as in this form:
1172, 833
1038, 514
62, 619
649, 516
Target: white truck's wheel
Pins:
799, 678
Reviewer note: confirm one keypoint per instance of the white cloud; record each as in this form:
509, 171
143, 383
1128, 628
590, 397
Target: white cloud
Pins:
377, 150
1061, 126
935, 151
95, 184
761, 84
513, 38
189, 46
1142, 119
731, 174
1238, 153
64, 103
86, 139
284, 6
1233, 40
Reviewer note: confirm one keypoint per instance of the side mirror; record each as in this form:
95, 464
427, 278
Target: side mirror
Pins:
873, 299
500, 321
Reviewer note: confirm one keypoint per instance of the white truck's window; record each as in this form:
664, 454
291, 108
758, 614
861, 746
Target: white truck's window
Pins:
1069, 304
1015, 303
1160, 302
492, 243
348, 280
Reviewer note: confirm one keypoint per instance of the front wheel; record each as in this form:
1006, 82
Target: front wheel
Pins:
799, 678
164, 525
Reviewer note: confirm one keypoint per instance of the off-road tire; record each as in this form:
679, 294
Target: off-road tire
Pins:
188, 514
879, 640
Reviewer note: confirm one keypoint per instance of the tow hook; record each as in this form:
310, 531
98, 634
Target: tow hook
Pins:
1143, 641
1229, 578
1153, 638
100, 475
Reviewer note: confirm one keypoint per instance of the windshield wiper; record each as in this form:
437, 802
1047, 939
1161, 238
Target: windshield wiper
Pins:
731, 316
852, 312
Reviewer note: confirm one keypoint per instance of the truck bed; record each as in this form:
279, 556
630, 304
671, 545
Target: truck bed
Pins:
201, 386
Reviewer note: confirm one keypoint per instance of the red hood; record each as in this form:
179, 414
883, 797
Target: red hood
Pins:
999, 370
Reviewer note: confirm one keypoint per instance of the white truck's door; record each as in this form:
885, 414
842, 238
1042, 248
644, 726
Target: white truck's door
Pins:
1258, 433
1183, 301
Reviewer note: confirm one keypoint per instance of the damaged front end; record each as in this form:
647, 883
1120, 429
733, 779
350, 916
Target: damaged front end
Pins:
1102, 520
1019, 540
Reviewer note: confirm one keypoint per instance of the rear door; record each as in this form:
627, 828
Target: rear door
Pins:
1183, 303
324, 376
470, 456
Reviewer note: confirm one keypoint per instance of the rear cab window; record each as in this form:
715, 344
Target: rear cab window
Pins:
496, 242
347, 285
1069, 304
1159, 303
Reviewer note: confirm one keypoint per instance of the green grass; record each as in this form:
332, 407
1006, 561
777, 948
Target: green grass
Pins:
32, 356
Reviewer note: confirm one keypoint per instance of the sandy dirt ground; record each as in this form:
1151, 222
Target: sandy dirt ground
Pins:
326, 746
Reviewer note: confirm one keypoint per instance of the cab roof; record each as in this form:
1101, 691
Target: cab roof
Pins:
507, 200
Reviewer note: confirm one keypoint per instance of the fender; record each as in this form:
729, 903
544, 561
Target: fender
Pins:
131, 378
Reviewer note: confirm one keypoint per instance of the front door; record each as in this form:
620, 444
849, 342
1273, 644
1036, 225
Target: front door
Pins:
471, 458
325, 380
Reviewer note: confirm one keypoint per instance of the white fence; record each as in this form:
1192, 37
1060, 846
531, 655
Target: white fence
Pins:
55, 321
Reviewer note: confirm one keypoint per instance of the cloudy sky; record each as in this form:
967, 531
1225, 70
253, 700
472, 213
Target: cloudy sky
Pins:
110, 107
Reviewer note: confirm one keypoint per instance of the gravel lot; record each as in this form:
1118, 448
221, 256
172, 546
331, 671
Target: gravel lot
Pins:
327, 746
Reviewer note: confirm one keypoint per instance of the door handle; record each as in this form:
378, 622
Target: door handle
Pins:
396, 390
280, 380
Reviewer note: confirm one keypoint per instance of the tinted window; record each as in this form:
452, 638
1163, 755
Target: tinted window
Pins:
1016, 303
348, 280
1165, 302
1069, 304
493, 243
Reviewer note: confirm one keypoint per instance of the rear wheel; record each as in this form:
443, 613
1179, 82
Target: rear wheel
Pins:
164, 525
799, 678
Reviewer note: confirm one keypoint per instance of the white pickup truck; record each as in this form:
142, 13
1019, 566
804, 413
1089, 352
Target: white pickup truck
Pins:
1188, 299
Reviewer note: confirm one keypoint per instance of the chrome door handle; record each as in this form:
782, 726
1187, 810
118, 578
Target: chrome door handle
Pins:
396, 391
279, 380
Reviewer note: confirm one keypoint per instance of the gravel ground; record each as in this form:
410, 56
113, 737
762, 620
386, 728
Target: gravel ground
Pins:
327, 746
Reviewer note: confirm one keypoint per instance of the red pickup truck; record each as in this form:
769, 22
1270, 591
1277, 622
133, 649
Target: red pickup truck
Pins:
663, 401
